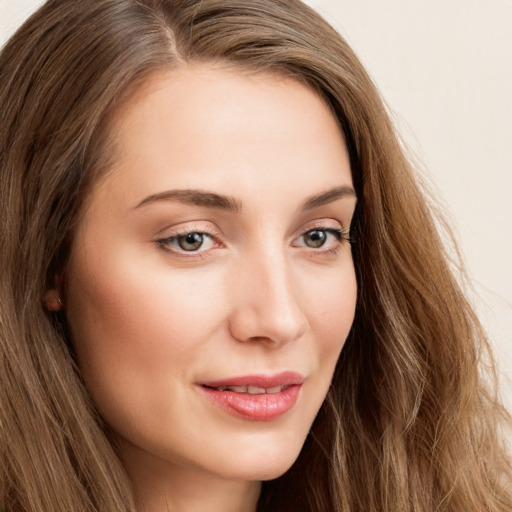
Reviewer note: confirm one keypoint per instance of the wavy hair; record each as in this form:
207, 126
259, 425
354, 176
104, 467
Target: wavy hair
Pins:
409, 423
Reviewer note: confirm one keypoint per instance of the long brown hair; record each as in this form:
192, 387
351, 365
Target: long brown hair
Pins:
408, 424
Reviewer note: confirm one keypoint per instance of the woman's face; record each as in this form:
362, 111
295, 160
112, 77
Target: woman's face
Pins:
211, 287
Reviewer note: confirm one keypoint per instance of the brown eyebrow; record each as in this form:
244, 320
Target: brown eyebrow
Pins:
212, 200
196, 197
328, 197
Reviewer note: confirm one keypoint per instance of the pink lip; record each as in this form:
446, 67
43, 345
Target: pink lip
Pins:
262, 381
261, 407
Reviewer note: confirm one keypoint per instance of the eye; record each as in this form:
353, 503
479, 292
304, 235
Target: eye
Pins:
193, 241
315, 238
322, 238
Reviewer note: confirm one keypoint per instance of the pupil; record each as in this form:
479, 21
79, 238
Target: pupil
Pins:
191, 241
315, 238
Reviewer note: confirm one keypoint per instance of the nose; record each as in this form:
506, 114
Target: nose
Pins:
266, 305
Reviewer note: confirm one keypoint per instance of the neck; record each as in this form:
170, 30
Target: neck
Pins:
160, 486
193, 493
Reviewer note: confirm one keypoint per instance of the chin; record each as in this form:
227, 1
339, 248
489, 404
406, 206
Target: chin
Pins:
260, 462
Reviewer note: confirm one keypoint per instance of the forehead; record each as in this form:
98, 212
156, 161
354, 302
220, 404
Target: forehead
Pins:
222, 126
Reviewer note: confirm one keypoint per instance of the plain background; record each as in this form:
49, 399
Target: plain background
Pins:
444, 68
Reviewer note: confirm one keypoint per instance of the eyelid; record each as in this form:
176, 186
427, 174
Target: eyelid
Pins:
339, 234
332, 226
323, 224
191, 226
182, 230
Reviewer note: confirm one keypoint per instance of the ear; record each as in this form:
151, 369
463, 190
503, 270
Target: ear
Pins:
52, 300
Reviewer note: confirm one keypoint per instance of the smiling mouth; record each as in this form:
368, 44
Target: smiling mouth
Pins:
251, 390
256, 398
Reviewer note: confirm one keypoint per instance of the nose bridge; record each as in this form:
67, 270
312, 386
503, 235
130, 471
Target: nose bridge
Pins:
266, 305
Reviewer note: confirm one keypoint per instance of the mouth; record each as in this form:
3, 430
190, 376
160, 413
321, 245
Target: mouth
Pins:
256, 397
251, 390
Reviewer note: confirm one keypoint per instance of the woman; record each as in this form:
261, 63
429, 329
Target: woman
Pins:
205, 204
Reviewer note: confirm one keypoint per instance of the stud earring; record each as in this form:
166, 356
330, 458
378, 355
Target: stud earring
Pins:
52, 301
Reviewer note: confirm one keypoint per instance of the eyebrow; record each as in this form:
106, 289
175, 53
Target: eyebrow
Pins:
328, 197
212, 200
195, 197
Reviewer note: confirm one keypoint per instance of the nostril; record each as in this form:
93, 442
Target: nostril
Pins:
251, 327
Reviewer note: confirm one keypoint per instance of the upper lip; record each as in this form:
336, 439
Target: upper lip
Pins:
287, 378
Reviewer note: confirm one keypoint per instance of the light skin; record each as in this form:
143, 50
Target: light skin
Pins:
254, 165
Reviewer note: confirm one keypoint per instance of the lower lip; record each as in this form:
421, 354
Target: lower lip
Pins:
264, 407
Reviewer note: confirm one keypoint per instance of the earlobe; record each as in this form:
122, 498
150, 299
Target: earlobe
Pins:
52, 300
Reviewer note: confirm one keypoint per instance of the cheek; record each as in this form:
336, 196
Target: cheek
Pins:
136, 330
332, 310
331, 316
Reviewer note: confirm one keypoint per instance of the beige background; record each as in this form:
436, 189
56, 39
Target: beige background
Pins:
445, 70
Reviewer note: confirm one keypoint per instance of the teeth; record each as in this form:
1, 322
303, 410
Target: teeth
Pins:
238, 389
255, 390
252, 390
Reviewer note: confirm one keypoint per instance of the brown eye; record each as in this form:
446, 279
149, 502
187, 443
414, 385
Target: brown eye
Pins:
188, 242
321, 238
315, 238
191, 241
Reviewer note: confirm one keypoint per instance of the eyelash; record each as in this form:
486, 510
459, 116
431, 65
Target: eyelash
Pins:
167, 242
342, 236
